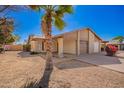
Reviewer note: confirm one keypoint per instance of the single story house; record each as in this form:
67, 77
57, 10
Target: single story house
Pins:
117, 43
121, 46
75, 42
103, 45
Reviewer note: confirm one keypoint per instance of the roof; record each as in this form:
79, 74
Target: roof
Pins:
105, 41
95, 34
34, 38
79, 30
60, 35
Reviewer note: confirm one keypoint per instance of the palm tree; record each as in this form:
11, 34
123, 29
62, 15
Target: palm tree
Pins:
119, 38
53, 14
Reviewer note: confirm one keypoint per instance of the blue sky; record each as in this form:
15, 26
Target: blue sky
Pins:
106, 21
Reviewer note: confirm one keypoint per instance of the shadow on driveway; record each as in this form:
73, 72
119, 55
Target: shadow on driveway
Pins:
71, 64
24, 54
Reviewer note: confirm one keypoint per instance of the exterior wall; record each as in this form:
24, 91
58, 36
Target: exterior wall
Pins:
91, 42
36, 46
122, 47
33, 46
97, 40
55, 45
83, 41
78, 44
69, 43
84, 35
39, 46
60, 45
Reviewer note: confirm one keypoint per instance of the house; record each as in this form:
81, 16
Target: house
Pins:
103, 45
105, 42
75, 42
117, 43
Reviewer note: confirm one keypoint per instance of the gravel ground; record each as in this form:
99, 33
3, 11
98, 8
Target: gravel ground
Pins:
18, 69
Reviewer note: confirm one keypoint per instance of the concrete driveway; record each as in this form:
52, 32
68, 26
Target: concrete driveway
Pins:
115, 63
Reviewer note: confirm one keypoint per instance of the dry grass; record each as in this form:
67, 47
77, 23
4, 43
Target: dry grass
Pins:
20, 71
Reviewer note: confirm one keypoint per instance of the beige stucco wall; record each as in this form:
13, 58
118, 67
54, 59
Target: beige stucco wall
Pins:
39, 46
69, 43
83, 38
60, 45
97, 40
91, 42
32, 46
54, 49
36, 46
84, 35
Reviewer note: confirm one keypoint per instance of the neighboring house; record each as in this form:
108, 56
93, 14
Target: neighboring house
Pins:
103, 45
75, 42
113, 42
105, 42
116, 42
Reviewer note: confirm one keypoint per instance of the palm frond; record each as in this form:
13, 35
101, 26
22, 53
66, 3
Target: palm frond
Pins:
66, 8
62, 9
37, 7
59, 23
56, 12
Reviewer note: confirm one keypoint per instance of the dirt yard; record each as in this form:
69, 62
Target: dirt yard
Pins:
20, 68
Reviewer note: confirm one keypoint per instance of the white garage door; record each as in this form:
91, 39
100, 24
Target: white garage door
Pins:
96, 47
83, 47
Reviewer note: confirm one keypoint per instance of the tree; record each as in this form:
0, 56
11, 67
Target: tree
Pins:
6, 29
119, 38
53, 14
12, 38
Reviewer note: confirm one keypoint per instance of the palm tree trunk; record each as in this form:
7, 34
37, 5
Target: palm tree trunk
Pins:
49, 63
3, 46
48, 37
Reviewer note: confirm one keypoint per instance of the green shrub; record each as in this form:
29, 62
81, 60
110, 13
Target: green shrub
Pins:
27, 47
32, 53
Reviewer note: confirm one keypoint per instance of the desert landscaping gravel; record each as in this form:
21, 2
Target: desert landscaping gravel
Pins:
19, 68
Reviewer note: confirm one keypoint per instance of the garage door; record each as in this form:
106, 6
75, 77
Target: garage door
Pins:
83, 47
96, 47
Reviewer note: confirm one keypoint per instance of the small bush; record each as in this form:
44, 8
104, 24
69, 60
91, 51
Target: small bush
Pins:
33, 53
27, 47
1, 50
